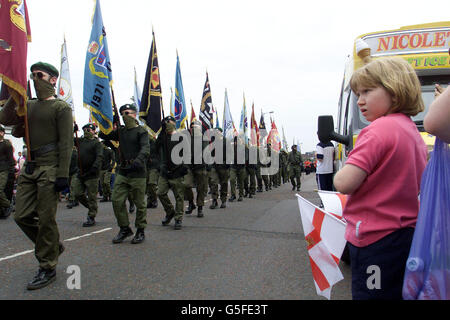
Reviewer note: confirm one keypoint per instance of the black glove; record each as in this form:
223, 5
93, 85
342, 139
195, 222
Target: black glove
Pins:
61, 184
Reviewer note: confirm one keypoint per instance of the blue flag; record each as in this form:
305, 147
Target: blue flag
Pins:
98, 75
179, 113
243, 127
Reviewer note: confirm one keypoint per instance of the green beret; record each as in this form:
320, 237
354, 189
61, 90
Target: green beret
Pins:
90, 126
127, 107
47, 67
169, 118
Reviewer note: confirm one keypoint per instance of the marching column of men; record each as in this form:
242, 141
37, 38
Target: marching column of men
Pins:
144, 169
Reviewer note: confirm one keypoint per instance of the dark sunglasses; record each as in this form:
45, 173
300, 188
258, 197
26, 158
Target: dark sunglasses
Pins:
38, 74
128, 112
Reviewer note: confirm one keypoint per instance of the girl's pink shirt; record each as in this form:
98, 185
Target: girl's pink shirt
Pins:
393, 154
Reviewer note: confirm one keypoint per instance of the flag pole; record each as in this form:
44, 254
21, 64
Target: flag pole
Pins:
27, 135
116, 120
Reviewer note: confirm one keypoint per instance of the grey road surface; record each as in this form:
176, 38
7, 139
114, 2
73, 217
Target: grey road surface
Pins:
253, 249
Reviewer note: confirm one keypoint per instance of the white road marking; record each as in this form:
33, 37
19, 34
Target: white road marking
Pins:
67, 240
16, 255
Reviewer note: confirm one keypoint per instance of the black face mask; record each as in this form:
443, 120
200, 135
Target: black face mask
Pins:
44, 89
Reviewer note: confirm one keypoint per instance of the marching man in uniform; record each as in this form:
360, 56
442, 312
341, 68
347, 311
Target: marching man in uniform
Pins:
50, 127
134, 151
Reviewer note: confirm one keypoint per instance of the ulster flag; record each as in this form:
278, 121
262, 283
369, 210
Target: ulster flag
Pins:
324, 235
333, 202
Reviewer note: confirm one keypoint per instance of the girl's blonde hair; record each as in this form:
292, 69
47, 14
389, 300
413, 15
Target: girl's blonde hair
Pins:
398, 77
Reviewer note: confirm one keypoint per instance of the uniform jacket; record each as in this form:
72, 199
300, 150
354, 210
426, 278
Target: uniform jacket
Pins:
133, 147
7, 161
49, 122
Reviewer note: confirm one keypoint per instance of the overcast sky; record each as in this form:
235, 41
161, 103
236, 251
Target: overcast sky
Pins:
286, 56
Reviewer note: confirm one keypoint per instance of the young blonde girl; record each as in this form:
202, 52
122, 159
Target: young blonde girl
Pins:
382, 178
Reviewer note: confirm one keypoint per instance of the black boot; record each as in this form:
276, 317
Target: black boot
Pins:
166, 220
72, 204
232, 198
152, 204
223, 205
89, 222
259, 190
5, 212
105, 199
177, 225
132, 208
190, 208
200, 212
139, 236
214, 204
42, 278
293, 187
124, 232
240, 198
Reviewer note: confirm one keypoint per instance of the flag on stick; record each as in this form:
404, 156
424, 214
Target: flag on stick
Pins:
217, 119
98, 75
206, 115
65, 86
193, 116
229, 129
324, 235
285, 144
262, 129
254, 130
151, 102
180, 113
15, 33
137, 91
274, 137
333, 202
243, 126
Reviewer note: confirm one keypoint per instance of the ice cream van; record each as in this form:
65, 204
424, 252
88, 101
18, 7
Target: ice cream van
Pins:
424, 46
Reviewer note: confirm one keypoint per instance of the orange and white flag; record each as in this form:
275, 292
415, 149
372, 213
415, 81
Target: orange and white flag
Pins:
324, 235
333, 202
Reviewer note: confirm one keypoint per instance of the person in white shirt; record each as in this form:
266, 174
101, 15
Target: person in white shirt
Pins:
324, 171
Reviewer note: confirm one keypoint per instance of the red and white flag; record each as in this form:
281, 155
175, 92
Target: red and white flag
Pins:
324, 235
333, 202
